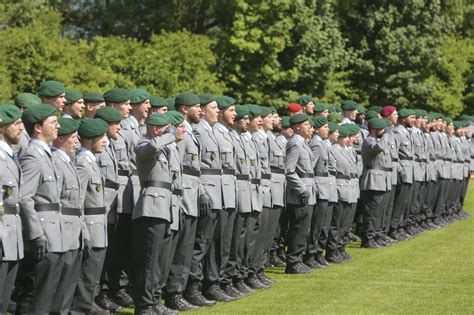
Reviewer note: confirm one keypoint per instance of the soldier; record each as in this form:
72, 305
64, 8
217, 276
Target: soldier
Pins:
74, 106
113, 294
300, 192
349, 111
53, 93
40, 215
140, 102
466, 145
375, 183
457, 169
321, 109
187, 104
158, 105
23, 101
11, 240
92, 134
307, 103
92, 102
326, 196
70, 213
293, 109
151, 217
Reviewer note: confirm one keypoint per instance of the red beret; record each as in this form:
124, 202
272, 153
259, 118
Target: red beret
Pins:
294, 107
387, 111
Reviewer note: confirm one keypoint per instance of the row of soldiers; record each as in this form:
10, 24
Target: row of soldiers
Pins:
135, 202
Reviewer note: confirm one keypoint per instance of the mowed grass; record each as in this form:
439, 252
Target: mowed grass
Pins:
432, 273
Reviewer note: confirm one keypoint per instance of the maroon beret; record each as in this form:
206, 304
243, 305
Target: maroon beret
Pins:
387, 110
294, 107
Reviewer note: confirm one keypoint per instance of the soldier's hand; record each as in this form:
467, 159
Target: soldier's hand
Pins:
39, 247
304, 198
204, 205
171, 130
85, 252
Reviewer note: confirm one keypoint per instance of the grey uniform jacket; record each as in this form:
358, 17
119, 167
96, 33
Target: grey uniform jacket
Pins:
243, 203
377, 160
457, 164
227, 154
155, 178
108, 168
254, 170
260, 139
438, 152
210, 185
420, 159
11, 238
299, 171
324, 169
466, 147
122, 159
346, 188
431, 174
68, 179
447, 156
189, 151
93, 198
277, 168
177, 184
21, 147
405, 153
40, 190
393, 148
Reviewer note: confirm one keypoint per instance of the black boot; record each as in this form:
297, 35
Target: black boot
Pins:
214, 292
176, 301
194, 296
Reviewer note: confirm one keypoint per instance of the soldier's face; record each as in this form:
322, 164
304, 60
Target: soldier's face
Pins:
113, 130
287, 132
77, 109
393, 117
68, 143
304, 129
255, 123
180, 132
323, 131
140, 111
309, 108
12, 132
276, 122
325, 113
228, 115
49, 129
267, 122
59, 101
193, 113
98, 144
210, 112
242, 125
333, 136
158, 110
124, 108
351, 114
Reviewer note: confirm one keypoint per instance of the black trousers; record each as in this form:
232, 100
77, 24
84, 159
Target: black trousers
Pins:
299, 218
403, 197
88, 284
181, 263
118, 258
219, 249
373, 208
40, 282
206, 226
165, 261
388, 211
413, 209
430, 199
148, 236
252, 243
440, 203
325, 226
465, 185
320, 210
347, 220
281, 233
8, 271
382, 219
68, 275
263, 238
273, 227
237, 267
335, 228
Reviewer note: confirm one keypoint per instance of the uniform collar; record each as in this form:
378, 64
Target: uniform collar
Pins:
5, 147
63, 154
89, 154
43, 145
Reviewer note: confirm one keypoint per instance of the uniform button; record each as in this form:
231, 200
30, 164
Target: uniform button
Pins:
42, 220
92, 222
49, 177
156, 194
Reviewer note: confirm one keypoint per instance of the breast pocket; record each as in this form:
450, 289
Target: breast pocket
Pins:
278, 160
120, 152
211, 154
192, 155
96, 188
227, 156
48, 185
9, 191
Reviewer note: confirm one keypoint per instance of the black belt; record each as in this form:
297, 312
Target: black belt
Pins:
177, 192
266, 176
432, 159
354, 176
277, 170
189, 171
111, 184
380, 168
127, 172
447, 160
9, 209
342, 176
227, 171
420, 160
157, 183
255, 181
71, 211
324, 174
47, 207
395, 160
94, 211
211, 171
406, 158
242, 177
306, 175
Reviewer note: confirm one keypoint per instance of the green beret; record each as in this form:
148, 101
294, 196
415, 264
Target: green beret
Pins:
241, 111
333, 126
405, 112
8, 114
27, 99
254, 110
377, 123
38, 113
158, 120
349, 105
319, 121
139, 96
431, 117
375, 108
51, 88
92, 128
320, 107
354, 129
206, 98
171, 103
116, 95
94, 97
298, 119
457, 124
68, 126
73, 95
225, 101
448, 120
345, 130
304, 99
466, 117
371, 114
273, 109
466, 123
187, 98
108, 114
311, 123
285, 122
265, 111
174, 117
158, 101
335, 117
361, 109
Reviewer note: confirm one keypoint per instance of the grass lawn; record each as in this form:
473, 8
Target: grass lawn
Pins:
432, 273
